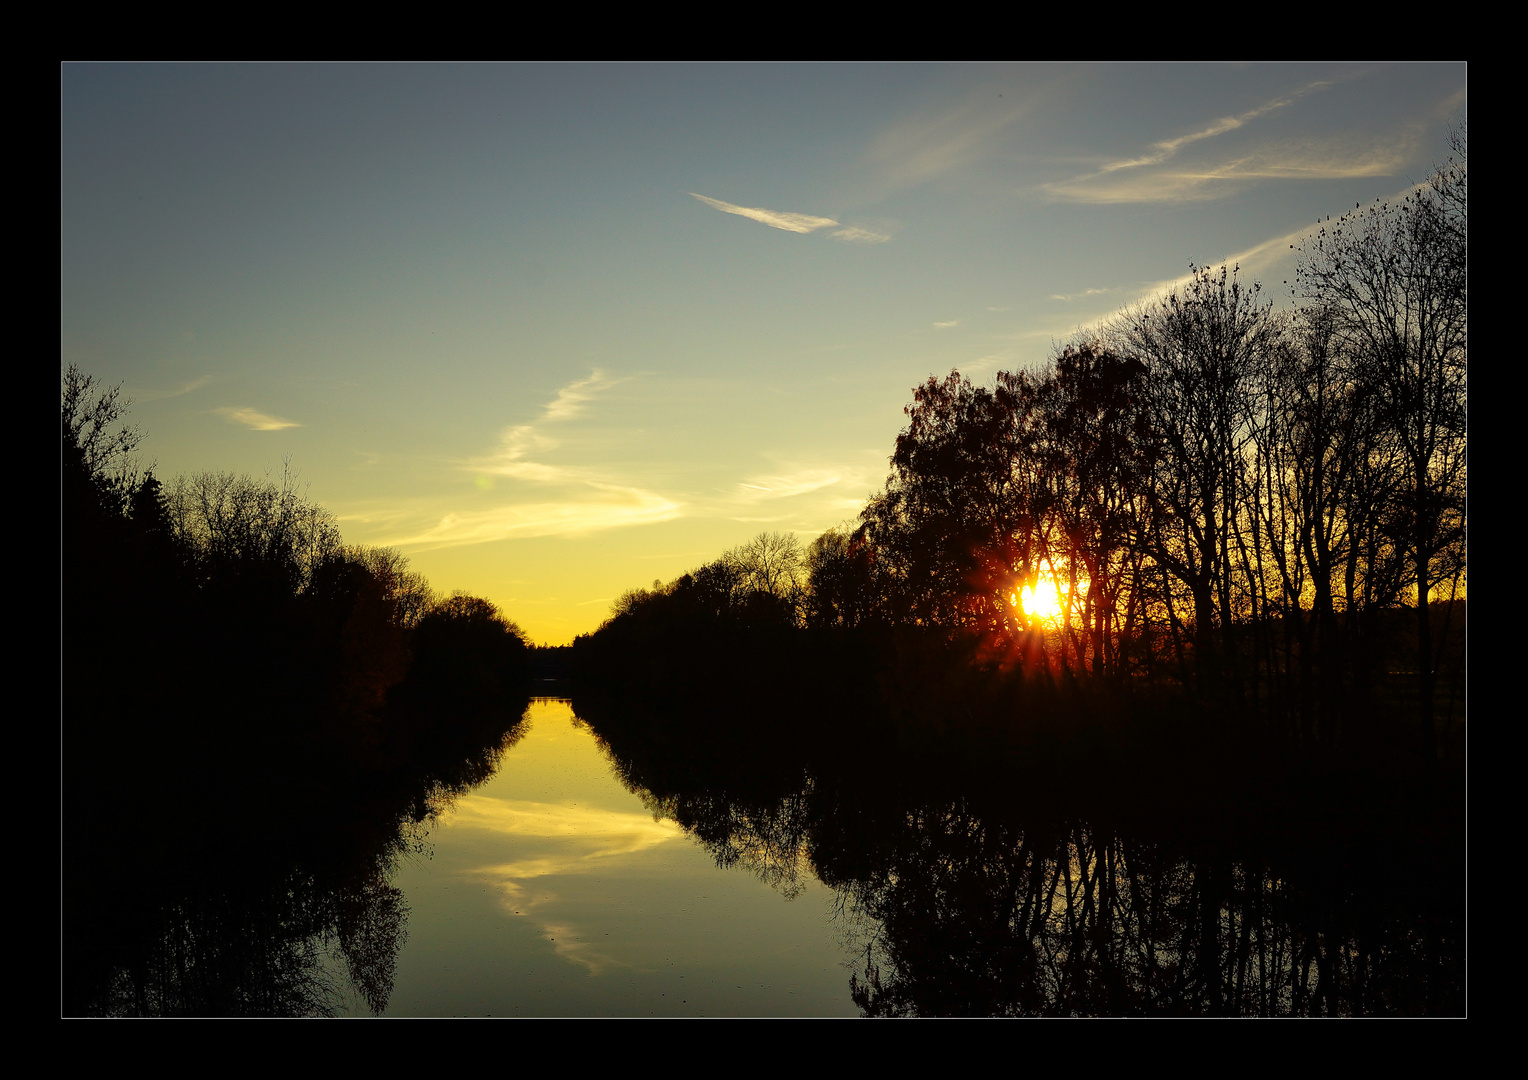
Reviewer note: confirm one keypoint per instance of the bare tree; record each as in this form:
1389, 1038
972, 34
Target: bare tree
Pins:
772, 563
96, 437
1202, 346
1394, 280
236, 524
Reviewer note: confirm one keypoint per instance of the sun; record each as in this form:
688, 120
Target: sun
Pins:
1042, 600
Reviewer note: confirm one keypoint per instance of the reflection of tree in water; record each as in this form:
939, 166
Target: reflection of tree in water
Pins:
288, 911
264, 953
768, 839
970, 904
976, 917
750, 813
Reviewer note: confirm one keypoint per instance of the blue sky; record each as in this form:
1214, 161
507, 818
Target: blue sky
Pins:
560, 330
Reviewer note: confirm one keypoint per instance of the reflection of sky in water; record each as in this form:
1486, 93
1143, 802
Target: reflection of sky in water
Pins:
551, 890
558, 841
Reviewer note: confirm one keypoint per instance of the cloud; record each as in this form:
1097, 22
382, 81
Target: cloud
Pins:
184, 388
775, 219
549, 499
853, 234
946, 325
800, 223
254, 419
1079, 295
799, 482
570, 399
1147, 177
1266, 255
1168, 148
1218, 179
520, 440
597, 507
596, 832
925, 147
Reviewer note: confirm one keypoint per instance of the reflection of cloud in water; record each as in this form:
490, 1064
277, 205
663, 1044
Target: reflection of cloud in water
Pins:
567, 944
603, 832
579, 837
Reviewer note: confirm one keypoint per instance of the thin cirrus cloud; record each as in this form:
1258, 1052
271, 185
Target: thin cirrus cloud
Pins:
931, 145
549, 499
800, 482
590, 507
790, 221
254, 419
519, 441
184, 388
772, 497
1156, 176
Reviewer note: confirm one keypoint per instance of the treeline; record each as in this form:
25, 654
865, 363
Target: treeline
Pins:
1258, 511
252, 713
223, 602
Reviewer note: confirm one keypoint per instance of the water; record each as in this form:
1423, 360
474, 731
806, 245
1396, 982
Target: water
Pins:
552, 890
707, 863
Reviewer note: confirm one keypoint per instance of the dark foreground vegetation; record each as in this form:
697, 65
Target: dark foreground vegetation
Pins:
254, 716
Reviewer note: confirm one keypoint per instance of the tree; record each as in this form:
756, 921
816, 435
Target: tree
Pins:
1393, 278
1202, 345
770, 563
248, 533
954, 529
1095, 462
95, 437
843, 590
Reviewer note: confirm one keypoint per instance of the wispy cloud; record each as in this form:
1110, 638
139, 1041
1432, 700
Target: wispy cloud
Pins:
589, 507
570, 400
1263, 257
519, 441
598, 832
946, 325
775, 219
854, 234
1154, 175
544, 497
254, 419
1080, 295
183, 388
799, 223
797, 482
925, 147
1168, 148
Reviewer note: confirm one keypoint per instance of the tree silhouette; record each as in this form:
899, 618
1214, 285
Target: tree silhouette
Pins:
1202, 346
955, 527
1393, 280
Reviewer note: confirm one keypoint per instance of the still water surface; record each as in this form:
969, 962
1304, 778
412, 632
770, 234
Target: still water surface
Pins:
552, 890
701, 864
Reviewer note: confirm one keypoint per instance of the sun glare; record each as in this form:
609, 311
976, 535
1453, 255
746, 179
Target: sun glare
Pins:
1042, 600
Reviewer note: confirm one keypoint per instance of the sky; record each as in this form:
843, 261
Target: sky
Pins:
556, 331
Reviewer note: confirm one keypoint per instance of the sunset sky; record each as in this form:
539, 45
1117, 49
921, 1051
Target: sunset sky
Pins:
555, 331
